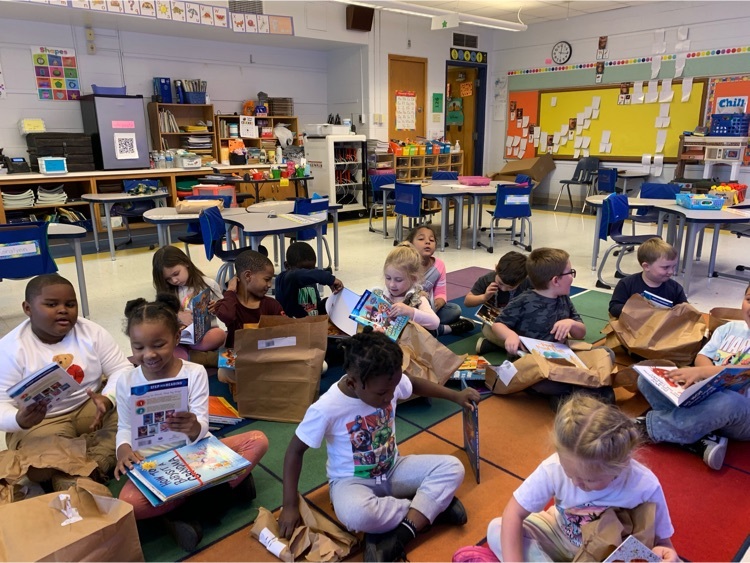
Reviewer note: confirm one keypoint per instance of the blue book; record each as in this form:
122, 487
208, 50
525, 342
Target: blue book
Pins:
471, 434
657, 301
731, 378
175, 473
201, 318
372, 310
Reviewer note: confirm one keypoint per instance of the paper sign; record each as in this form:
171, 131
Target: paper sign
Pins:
605, 136
655, 66
666, 93
553, 101
653, 92
661, 138
687, 89
637, 96
596, 102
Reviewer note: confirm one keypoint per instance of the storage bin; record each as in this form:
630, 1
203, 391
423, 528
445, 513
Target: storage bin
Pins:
195, 97
730, 125
190, 161
214, 190
692, 201
109, 90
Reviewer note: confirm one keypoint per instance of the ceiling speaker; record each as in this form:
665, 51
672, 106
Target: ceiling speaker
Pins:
359, 18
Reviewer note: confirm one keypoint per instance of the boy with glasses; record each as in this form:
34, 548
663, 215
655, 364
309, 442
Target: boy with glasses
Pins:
546, 313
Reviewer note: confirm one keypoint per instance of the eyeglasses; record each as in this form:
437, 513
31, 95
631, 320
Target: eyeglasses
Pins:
572, 272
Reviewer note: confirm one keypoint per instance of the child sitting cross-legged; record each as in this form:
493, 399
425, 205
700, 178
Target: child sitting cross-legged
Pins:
373, 489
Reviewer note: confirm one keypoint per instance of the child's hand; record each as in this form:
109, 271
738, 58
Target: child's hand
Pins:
466, 396
561, 329
398, 309
233, 283
126, 457
212, 307
512, 344
185, 422
103, 406
31, 415
288, 521
492, 289
666, 553
690, 376
337, 285
185, 317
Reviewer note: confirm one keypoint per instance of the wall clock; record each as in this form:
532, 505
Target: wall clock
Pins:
561, 52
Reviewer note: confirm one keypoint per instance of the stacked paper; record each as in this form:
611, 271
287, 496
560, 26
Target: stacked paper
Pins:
17, 201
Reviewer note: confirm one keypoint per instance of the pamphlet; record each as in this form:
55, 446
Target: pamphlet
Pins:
48, 385
471, 434
734, 378
151, 404
372, 310
201, 318
552, 351
632, 549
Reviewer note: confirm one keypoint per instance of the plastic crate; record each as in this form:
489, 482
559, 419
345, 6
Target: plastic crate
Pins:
692, 201
109, 90
730, 125
216, 191
195, 97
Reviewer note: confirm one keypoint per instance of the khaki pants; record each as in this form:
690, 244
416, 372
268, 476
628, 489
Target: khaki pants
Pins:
491, 336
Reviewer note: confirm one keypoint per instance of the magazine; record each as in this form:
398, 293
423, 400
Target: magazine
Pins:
471, 435
48, 385
552, 351
372, 310
487, 313
201, 318
656, 301
734, 378
632, 549
175, 473
473, 368
227, 358
150, 405
220, 411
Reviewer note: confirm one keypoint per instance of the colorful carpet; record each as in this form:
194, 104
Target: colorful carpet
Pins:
514, 433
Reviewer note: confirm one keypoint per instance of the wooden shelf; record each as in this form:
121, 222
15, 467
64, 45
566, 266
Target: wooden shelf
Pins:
184, 115
419, 167
221, 126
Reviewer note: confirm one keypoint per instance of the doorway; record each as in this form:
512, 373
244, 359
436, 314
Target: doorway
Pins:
465, 100
407, 75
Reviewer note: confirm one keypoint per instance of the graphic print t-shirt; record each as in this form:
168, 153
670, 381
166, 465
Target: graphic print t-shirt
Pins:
360, 439
729, 345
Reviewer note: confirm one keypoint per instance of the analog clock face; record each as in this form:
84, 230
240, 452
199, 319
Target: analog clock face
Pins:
561, 52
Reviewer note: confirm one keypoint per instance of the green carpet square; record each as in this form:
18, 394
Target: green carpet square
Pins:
593, 304
594, 328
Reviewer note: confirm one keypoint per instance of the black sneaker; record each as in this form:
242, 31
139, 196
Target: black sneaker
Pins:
461, 325
640, 425
454, 515
383, 547
186, 534
711, 448
484, 346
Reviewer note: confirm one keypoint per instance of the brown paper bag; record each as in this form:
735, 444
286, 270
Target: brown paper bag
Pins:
675, 334
278, 366
425, 357
197, 205
722, 315
317, 538
32, 531
602, 536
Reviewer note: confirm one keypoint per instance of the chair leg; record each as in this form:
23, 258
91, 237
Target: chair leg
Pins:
130, 234
600, 283
559, 195
328, 252
570, 196
187, 250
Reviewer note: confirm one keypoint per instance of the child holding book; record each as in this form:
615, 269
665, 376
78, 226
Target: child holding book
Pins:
658, 260
432, 275
592, 470
546, 313
704, 428
53, 332
154, 332
297, 285
374, 490
175, 273
496, 289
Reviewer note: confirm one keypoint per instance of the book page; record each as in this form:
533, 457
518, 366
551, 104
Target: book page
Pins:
49, 385
552, 351
150, 405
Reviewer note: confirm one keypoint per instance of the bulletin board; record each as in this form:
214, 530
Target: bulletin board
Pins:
632, 126
528, 103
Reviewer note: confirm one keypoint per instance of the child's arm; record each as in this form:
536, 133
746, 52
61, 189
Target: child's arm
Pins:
704, 368
440, 291
423, 316
562, 328
511, 534
510, 338
620, 296
126, 457
474, 300
426, 388
664, 549
289, 517
225, 309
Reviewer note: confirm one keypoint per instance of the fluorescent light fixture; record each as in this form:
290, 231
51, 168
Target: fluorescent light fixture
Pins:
428, 12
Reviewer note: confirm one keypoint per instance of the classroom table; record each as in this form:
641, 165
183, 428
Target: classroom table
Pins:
108, 200
164, 217
297, 180
72, 234
630, 175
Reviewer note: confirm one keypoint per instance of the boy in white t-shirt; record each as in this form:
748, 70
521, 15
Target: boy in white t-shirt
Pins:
372, 488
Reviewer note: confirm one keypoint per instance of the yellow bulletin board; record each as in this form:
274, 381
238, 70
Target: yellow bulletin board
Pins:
632, 127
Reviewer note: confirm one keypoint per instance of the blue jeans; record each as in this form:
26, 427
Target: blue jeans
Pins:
448, 313
725, 412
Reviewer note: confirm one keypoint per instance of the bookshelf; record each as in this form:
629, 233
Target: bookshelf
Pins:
265, 127
419, 167
168, 122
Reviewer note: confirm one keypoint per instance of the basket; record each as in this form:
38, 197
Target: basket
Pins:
108, 90
730, 125
692, 201
195, 97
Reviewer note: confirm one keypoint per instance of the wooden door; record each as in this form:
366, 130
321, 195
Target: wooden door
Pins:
407, 75
461, 85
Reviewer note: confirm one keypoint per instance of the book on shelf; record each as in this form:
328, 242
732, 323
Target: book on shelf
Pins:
473, 368
220, 411
471, 434
632, 549
195, 331
657, 301
552, 351
732, 378
150, 406
175, 473
49, 385
487, 313
372, 310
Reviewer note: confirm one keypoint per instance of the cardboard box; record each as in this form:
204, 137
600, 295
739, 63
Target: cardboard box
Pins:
538, 168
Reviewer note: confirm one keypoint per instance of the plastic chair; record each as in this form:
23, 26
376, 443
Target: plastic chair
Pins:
408, 203
512, 202
136, 209
651, 190
583, 176
376, 204
445, 175
213, 230
615, 211
194, 235
308, 206
30, 254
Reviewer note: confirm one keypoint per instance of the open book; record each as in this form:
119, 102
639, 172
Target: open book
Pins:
632, 549
50, 384
338, 307
201, 318
175, 473
372, 310
471, 434
552, 351
487, 313
734, 378
150, 405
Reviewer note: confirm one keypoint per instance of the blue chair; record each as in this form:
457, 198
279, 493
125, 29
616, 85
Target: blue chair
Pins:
408, 203
583, 176
512, 202
194, 235
308, 206
213, 230
25, 251
445, 175
604, 183
615, 211
136, 209
376, 193
652, 190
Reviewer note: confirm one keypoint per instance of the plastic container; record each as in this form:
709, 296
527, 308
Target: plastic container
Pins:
693, 201
215, 190
195, 97
730, 125
109, 90
275, 173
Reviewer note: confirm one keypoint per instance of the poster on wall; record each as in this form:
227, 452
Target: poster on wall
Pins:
455, 115
56, 71
406, 110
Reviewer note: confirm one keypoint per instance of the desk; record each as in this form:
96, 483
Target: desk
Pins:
630, 174
72, 234
108, 200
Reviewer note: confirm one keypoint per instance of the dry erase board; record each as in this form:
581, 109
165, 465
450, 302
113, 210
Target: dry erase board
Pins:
633, 129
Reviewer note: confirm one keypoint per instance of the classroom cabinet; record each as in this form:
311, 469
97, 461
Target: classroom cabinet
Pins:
259, 134
420, 167
338, 165
175, 126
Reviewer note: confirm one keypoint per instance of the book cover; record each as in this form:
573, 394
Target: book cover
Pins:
632, 549
220, 411
372, 310
473, 368
657, 301
150, 405
201, 318
227, 358
50, 385
174, 473
552, 351
734, 378
487, 313
471, 435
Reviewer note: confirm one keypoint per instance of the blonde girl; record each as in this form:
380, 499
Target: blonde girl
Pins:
174, 273
592, 470
401, 272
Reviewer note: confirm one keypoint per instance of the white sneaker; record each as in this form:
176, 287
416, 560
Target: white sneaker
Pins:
325, 367
713, 449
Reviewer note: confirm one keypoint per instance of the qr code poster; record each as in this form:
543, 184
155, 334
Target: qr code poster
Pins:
125, 146
56, 71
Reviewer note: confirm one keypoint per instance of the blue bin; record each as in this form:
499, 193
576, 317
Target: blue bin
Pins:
195, 97
109, 90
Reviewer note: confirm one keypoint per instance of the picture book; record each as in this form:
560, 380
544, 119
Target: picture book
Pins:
471, 435
734, 378
487, 313
372, 310
656, 301
151, 404
227, 357
201, 318
220, 411
48, 385
632, 549
473, 368
338, 307
175, 473
552, 351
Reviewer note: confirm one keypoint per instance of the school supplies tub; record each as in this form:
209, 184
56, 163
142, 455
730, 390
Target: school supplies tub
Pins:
699, 201
216, 190
730, 125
